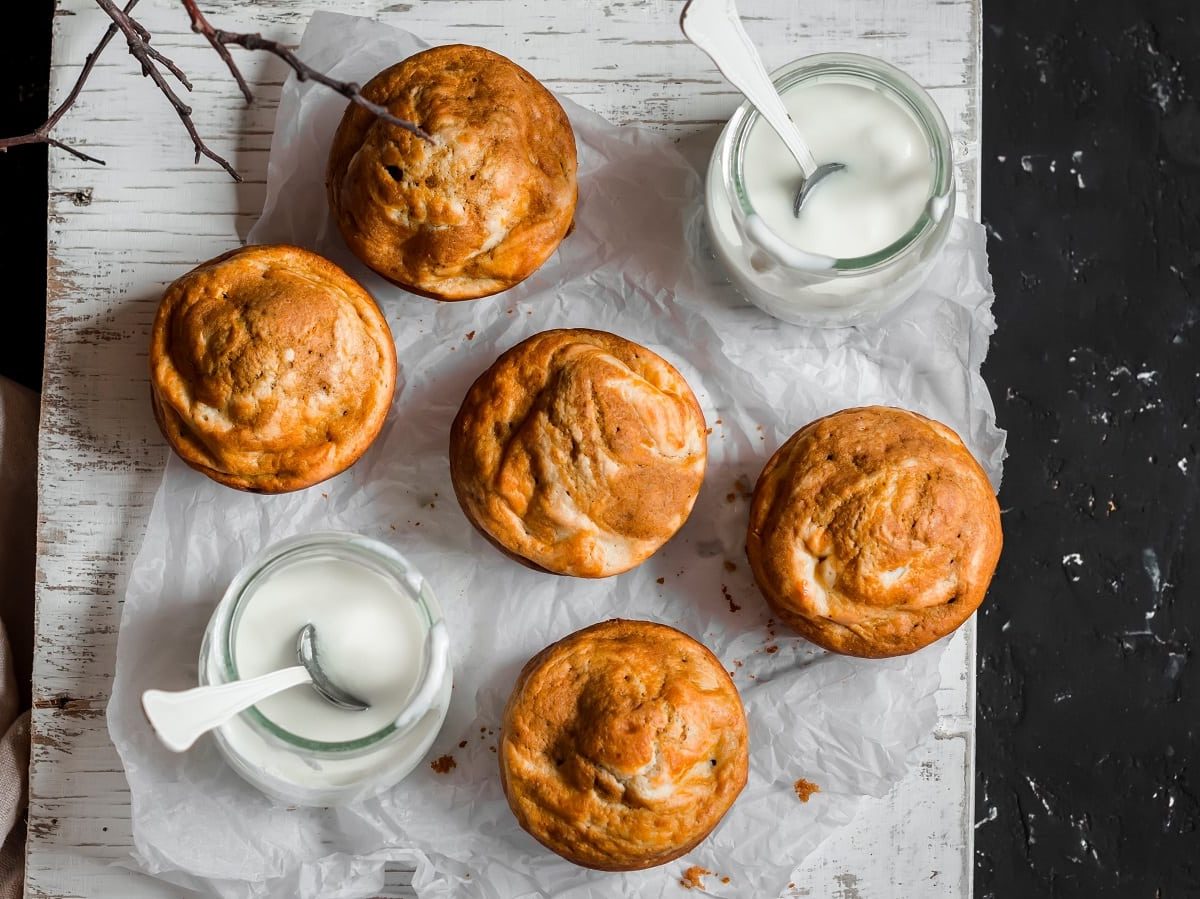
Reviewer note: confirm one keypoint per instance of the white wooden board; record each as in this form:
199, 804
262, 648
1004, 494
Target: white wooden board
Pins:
118, 234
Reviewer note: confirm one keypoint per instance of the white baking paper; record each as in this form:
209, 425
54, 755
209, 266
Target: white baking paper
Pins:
636, 265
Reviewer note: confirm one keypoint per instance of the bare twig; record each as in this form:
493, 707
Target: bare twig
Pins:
138, 47
153, 63
200, 26
167, 62
350, 90
41, 134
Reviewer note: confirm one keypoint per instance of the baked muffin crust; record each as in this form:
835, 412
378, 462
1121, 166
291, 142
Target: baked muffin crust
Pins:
874, 532
578, 452
623, 745
271, 369
480, 208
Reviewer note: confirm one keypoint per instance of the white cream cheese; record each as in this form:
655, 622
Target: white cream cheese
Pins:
370, 641
875, 201
380, 636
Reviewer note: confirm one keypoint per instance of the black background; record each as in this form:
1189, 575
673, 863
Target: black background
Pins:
1088, 762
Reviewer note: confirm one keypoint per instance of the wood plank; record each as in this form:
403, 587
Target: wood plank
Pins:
118, 234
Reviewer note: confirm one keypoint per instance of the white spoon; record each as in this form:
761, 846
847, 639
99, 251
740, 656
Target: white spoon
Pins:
179, 718
716, 28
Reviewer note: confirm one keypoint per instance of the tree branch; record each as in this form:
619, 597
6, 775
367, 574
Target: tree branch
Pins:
140, 51
153, 63
200, 26
350, 90
41, 134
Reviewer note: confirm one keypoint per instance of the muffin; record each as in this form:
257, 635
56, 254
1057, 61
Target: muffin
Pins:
578, 452
481, 206
623, 745
271, 369
873, 532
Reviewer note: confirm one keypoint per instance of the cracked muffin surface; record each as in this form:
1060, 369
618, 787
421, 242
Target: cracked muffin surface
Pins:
481, 206
271, 369
623, 745
578, 452
874, 532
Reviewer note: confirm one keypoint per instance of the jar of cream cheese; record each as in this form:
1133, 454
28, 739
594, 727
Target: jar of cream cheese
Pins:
867, 236
381, 637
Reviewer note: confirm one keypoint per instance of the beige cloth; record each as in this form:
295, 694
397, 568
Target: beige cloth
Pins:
18, 526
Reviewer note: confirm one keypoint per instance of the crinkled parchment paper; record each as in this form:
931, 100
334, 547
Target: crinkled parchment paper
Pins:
636, 265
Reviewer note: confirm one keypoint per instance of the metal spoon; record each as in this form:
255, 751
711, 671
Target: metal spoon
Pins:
716, 28
306, 652
180, 717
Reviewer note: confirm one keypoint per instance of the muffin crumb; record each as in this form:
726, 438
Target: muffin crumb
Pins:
733, 606
693, 878
443, 765
805, 789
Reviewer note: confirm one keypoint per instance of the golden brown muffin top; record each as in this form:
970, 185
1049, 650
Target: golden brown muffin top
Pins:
874, 531
579, 452
623, 745
271, 369
481, 207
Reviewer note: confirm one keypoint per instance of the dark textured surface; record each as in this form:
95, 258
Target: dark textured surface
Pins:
1089, 688
1088, 766
24, 62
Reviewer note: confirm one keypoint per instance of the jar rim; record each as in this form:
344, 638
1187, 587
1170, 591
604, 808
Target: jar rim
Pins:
854, 68
295, 549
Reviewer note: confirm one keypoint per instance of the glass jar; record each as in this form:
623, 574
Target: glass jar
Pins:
816, 290
297, 770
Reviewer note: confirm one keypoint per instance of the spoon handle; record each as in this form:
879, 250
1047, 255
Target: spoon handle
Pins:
179, 718
716, 28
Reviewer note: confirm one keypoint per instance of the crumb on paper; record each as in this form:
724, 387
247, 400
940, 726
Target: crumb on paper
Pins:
771, 650
730, 566
805, 789
725, 879
719, 421
470, 335
693, 878
462, 744
730, 497
661, 580
733, 606
738, 662
444, 765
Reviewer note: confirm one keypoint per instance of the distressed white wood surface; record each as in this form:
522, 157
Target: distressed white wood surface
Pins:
119, 234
